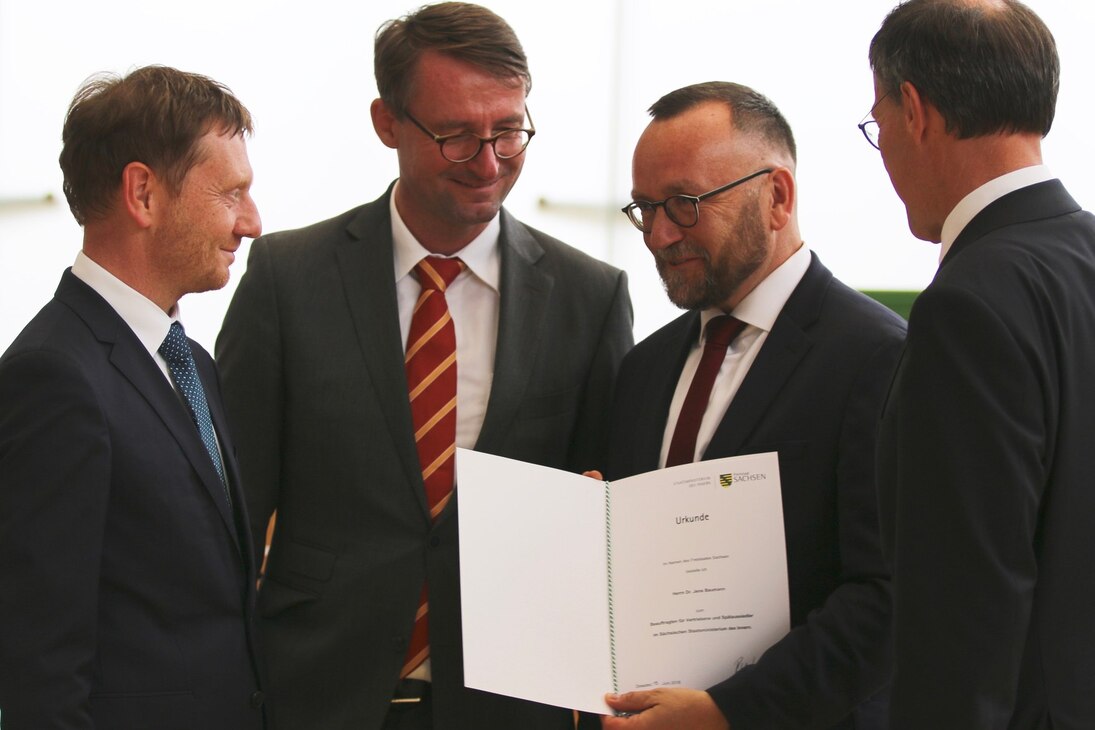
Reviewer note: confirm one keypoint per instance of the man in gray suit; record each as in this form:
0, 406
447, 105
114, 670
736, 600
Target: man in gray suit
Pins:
313, 358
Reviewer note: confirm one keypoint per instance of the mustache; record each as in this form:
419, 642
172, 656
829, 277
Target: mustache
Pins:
679, 252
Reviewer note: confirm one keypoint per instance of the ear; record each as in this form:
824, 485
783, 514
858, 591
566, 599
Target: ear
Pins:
914, 111
783, 198
384, 122
138, 185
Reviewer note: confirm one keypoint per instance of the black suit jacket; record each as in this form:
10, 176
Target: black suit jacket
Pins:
314, 381
127, 584
986, 458
813, 395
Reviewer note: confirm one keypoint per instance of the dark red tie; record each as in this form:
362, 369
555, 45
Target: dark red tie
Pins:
431, 379
721, 331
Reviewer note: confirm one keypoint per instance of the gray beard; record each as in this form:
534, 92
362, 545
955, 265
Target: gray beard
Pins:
734, 262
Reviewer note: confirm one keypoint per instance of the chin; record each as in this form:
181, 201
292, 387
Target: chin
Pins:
480, 213
924, 231
215, 280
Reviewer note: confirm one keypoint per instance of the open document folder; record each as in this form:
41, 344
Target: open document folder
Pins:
573, 587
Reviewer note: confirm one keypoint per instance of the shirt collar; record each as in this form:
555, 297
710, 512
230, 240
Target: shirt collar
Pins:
147, 320
762, 306
481, 255
976, 201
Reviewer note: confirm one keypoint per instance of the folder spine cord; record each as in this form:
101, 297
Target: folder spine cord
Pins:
611, 611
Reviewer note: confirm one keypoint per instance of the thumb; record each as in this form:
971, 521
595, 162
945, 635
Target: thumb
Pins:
629, 701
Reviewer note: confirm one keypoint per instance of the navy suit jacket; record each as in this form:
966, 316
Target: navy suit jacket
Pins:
987, 468
813, 395
312, 359
128, 584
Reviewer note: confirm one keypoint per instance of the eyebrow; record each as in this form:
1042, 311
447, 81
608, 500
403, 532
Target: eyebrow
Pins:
677, 188
511, 122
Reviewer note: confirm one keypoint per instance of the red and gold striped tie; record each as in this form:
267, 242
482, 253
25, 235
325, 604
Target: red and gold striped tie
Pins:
431, 378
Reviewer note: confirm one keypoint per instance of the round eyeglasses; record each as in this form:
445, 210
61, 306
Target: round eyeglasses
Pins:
464, 146
684, 210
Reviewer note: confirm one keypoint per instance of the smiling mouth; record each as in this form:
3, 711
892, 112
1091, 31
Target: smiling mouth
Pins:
680, 260
477, 184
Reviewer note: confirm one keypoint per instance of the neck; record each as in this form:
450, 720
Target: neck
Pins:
787, 243
966, 164
444, 237
127, 261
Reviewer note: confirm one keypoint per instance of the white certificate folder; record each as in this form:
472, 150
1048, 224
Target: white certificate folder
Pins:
572, 587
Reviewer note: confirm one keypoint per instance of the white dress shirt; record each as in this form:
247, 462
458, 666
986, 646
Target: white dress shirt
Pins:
979, 199
473, 300
143, 316
758, 310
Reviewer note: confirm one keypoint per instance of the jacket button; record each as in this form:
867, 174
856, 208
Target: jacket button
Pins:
257, 698
435, 541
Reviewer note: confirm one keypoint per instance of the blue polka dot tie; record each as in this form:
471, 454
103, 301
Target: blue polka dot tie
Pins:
180, 361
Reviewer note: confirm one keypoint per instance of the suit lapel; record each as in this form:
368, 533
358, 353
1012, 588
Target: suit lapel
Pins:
366, 266
211, 383
657, 391
133, 362
525, 294
780, 354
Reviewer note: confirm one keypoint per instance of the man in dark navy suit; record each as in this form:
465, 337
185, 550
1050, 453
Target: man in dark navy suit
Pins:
986, 446
125, 560
804, 375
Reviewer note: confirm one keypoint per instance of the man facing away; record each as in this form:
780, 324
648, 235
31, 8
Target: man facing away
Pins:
358, 352
126, 564
774, 354
985, 450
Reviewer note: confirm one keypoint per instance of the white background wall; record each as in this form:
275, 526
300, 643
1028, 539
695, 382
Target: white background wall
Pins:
305, 71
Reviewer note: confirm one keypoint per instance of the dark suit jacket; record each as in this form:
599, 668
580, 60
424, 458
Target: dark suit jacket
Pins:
127, 585
314, 381
987, 465
813, 394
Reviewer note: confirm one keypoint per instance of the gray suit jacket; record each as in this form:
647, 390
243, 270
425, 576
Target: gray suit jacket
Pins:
314, 383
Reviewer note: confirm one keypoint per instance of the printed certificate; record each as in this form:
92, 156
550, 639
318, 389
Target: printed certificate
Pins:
572, 587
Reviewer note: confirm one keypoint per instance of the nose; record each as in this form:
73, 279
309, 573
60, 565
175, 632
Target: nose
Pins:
248, 223
663, 232
486, 163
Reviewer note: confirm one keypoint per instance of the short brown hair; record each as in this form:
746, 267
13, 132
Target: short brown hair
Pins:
464, 31
154, 115
988, 68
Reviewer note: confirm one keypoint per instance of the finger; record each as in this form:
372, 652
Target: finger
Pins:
629, 701
593, 474
608, 722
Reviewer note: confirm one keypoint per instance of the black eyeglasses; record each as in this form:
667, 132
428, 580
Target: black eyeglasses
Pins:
464, 146
684, 210
869, 127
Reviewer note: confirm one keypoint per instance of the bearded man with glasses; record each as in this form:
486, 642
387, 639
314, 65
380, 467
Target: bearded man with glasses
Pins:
795, 362
348, 426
